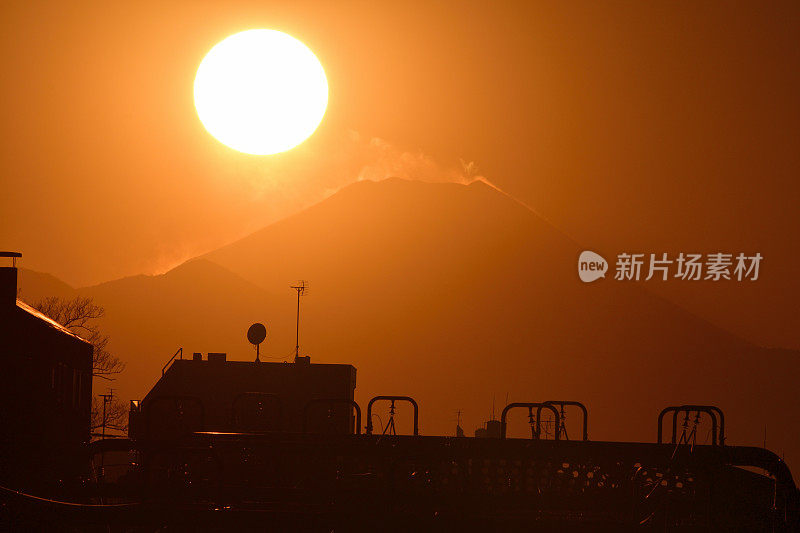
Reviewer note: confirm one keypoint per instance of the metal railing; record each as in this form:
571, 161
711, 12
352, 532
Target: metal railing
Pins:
171, 359
408, 399
530, 405
714, 412
561, 428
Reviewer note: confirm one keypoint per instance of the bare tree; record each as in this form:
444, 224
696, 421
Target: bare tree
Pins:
116, 416
80, 315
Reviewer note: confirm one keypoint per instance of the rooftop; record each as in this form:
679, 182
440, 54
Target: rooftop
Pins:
49, 321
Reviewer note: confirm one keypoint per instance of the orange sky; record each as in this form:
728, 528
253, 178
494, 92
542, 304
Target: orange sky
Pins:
661, 127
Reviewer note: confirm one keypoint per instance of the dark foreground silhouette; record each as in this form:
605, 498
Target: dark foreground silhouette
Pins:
261, 450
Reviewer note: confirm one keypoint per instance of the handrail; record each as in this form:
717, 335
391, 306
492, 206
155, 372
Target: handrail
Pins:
164, 368
659, 434
721, 423
717, 429
393, 398
538, 405
352, 403
708, 409
562, 403
661, 415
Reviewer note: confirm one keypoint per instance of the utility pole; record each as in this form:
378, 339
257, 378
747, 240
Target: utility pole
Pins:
106, 399
301, 287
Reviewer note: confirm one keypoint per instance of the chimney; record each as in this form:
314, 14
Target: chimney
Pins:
8, 280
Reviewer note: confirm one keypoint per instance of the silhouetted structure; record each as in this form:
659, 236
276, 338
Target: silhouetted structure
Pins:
220, 444
490, 430
379, 481
45, 393
215, 394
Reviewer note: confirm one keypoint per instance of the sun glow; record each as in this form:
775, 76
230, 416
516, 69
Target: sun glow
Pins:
260, 92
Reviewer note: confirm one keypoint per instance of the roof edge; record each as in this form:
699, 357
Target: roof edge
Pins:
52, 323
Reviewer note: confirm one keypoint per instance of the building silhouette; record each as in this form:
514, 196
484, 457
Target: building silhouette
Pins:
45, 392
213, 394
490, 430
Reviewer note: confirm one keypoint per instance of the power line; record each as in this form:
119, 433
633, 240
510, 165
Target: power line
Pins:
69, 504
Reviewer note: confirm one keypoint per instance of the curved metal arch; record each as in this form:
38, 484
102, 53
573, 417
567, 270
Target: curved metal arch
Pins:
409, 399
562, 403
717, 424
538, 405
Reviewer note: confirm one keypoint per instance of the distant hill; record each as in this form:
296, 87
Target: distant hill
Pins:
455, 295
33, 286
199, 306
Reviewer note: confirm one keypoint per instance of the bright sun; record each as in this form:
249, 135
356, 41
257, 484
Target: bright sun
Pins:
260, 92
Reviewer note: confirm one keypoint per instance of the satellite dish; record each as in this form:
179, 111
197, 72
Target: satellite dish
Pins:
256, 335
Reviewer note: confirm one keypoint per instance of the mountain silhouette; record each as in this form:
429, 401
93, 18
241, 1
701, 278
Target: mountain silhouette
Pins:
459, 296
34, 286
456, 293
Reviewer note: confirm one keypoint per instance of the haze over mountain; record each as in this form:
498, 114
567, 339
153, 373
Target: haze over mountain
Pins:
453, 294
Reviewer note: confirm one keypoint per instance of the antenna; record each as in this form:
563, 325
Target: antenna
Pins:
256, 335
106, 399
459, 429
301, 288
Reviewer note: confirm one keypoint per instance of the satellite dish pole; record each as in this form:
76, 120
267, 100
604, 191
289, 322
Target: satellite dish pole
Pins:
301, 287
256, 335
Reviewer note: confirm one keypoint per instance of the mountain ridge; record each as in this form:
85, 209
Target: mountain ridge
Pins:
444, 291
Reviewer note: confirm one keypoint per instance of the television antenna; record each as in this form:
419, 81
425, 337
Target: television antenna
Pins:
256, 335
301, 288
